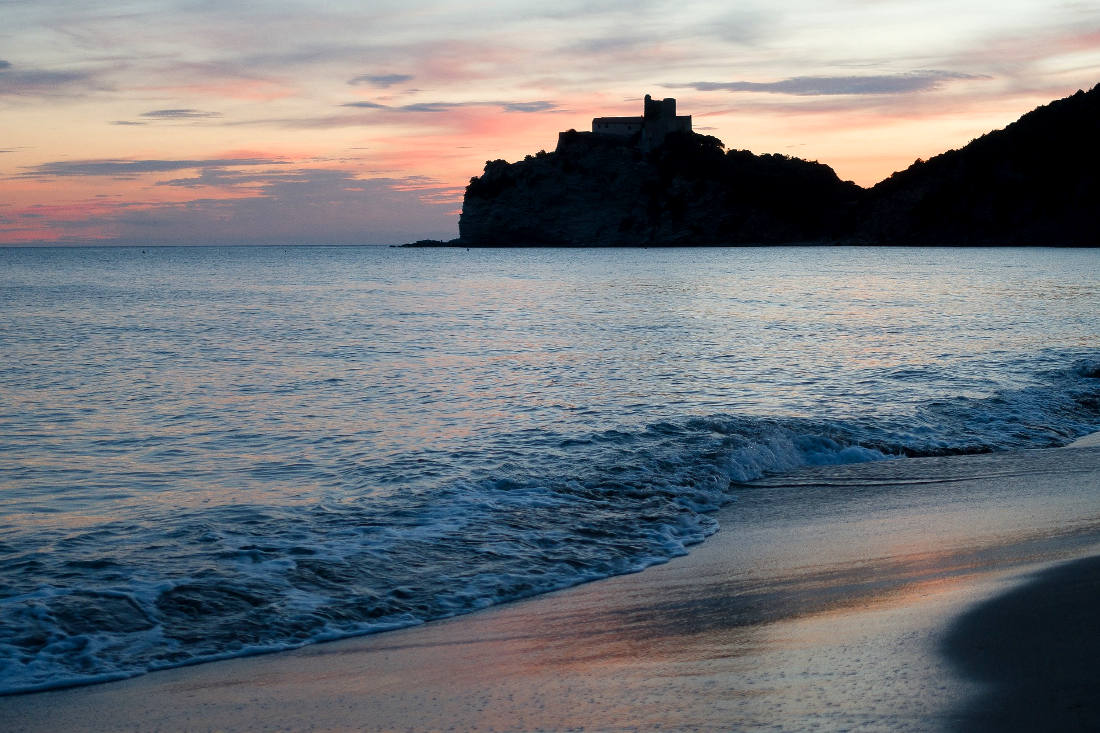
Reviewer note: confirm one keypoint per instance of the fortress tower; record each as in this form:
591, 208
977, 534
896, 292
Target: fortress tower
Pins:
658, 119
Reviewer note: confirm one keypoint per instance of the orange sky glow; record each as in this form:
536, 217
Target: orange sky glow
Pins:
175, 122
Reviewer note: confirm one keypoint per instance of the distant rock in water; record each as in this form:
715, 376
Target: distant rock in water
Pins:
1035, 182
651, 181
431, 243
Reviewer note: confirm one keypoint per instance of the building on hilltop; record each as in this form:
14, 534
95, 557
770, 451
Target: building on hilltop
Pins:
659, 118
617, 125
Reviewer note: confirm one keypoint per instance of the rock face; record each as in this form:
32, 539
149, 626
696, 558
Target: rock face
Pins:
596, 190
1035, 182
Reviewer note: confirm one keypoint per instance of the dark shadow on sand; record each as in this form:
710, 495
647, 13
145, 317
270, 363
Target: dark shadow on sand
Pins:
1038, 649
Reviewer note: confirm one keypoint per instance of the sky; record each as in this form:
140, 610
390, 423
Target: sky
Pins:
149, 122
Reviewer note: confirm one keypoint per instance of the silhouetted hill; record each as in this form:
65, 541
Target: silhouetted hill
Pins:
596, 190
1037, 181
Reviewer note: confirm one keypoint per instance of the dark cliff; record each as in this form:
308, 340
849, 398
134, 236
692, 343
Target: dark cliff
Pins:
596, 190
1037, 181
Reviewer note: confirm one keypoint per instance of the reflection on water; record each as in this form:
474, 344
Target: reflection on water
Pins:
314, 442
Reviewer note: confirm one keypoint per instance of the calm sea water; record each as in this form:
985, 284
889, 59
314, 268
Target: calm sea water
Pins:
211, 452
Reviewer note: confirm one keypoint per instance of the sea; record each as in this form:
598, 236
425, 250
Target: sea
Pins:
211, 452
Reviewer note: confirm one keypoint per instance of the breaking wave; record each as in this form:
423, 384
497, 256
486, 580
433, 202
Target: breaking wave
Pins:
168, 588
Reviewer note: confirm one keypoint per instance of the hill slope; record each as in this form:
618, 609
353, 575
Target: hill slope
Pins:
1037, 181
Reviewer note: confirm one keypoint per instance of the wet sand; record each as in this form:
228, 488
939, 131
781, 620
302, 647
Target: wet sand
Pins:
922, 594
1037, 648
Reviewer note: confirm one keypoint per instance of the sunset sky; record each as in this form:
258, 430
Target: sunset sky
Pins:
196, 122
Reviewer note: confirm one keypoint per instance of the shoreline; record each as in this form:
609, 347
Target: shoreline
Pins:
1092, 440
825, 600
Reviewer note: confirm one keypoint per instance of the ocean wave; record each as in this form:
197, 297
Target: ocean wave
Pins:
168, 589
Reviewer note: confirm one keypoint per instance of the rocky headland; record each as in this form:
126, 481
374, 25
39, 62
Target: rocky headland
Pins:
1037, 181
597, 190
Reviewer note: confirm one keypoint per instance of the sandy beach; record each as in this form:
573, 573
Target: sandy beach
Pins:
951, 594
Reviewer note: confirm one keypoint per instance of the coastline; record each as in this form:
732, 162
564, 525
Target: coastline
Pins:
829, 599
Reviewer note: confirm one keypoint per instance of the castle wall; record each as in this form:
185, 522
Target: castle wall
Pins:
617, 125
659, 118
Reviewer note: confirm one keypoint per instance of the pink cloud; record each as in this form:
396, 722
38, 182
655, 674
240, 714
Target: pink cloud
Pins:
237, 205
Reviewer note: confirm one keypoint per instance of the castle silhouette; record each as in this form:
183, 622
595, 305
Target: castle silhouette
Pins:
658, 119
